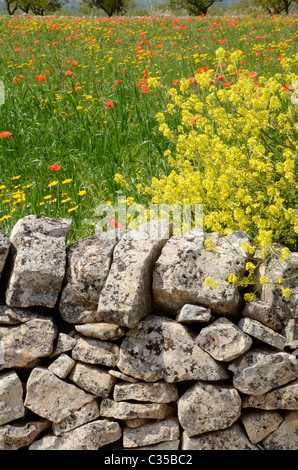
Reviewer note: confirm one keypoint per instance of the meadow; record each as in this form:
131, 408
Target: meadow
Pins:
86, 105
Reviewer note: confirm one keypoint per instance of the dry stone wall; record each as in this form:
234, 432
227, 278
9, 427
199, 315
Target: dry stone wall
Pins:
116, 342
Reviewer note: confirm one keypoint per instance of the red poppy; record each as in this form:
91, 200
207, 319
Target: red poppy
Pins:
115, 223
118, 41
228, 84
55, 167
5, 134
109, 104
17, 49
68, 73
74, 63
253, 74
40, 78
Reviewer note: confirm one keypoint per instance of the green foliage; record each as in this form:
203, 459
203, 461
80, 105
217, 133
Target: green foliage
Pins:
193, 7
110, 7
276, 6
242, 7
11, 6
38, 7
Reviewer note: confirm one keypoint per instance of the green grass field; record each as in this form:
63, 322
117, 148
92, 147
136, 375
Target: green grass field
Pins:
76, 96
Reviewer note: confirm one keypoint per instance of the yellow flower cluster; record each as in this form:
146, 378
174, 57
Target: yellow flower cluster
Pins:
235, 153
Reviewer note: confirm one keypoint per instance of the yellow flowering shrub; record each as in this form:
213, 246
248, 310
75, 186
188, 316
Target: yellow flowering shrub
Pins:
235, 152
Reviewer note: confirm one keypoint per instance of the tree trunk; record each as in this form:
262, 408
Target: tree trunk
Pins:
11, 11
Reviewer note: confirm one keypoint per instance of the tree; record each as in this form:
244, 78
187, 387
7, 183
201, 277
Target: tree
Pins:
11, 6
193, 7
38, 7
42, 7
276, 6
110, 7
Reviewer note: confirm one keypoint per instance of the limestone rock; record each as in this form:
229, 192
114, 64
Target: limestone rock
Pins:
152, 433
92, 379
104, 331
90, 436
167, 445
95, 351
63, 344
88, 264
259, 424
258, 371
11, 397
290, 331
283, 398
156, 392
119, 375
262, 312
161, 348
232, 438
15, 316
62, 366
126, 410
126, 297
136, 422
190, 313
184, 265
16, 436
261, 332
286, 436
4, 249
23, 344
285, 307
223, 340
52, 398
38, 261
208, 407
83, 415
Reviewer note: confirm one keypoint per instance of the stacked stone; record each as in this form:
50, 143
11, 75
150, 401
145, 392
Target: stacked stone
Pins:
116, 342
